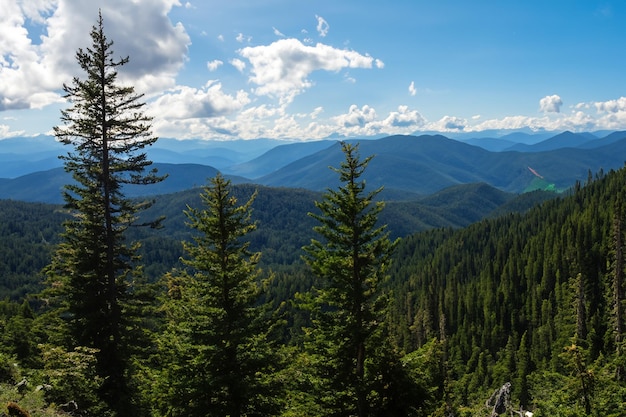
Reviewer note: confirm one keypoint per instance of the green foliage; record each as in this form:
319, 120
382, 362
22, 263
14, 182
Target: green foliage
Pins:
217, 348
515, 291
28, 231
31, 401
347, 342
72, 376
93, 268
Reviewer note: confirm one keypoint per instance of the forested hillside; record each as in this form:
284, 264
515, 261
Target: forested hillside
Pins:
528, 298
28, 231
534, 299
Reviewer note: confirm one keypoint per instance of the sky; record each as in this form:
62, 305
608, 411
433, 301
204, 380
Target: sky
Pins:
309, 70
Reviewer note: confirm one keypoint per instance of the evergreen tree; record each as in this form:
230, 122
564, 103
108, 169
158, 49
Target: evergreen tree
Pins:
617, 287
355, 362
217, 349
94, 269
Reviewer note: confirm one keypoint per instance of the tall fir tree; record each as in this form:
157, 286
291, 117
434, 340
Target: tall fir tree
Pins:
217, 351
94, 269
617, 275
356, 365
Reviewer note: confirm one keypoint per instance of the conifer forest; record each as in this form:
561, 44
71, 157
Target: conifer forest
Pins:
110, 309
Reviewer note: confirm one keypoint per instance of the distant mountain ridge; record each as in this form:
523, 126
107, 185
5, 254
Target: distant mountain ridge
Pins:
427, 164
408, 167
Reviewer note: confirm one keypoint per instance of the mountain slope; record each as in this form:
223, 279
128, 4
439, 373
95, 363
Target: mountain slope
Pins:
406, 166
566, 139
518, 291
46, 186
426, 164
276, 158
284, 226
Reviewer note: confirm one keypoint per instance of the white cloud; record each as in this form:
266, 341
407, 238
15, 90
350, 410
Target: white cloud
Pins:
278, 32
6, 132
403, 119
209, 101
238, 63
448, 124
213, 65
33, 72
282, 68
241, 38
316, 112
412, 90
322, 26
611, 106
508, 122
356, 116
364, 121
550, 104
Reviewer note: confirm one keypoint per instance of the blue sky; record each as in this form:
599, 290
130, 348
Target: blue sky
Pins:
303, 70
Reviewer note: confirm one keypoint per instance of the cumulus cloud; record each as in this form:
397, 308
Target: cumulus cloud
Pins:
364, 121
322, 26
403, 118
213, 65
238, 63
550, 104
209, 101
241, 38
278, 32
282, 68
412, 90
356, 116
316, 112
6, 132
449, 123
611, 106
32, 72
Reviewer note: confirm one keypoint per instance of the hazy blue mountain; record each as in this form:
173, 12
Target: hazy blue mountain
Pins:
46, 186
408, 167
524, 135
427, 164
527, 136
604, 140
277, 157
490, 144
220, 154
14, 165
30, 144
566, 139
23, 155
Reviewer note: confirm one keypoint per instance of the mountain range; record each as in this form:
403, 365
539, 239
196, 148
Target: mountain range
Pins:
409, 167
